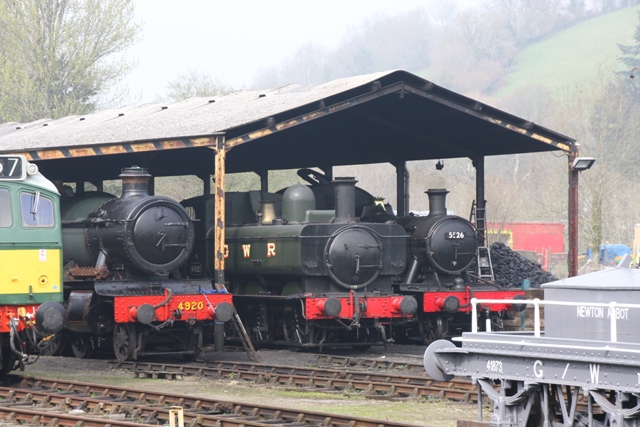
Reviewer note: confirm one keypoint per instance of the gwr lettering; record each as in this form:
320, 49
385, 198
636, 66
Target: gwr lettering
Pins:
566, 368
537, 369
594, 370
246, 251
271, 250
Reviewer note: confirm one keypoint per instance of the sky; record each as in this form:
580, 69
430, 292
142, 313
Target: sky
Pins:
232, 40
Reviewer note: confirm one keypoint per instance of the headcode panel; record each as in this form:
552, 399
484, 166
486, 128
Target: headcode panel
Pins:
12, 167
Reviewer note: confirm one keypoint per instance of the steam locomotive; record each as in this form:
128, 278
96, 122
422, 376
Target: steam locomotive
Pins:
445, 273
306, 277
122, 283
307, 272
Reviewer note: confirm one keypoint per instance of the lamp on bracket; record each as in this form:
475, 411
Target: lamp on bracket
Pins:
580, 164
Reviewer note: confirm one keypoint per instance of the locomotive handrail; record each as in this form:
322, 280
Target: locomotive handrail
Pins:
536, 302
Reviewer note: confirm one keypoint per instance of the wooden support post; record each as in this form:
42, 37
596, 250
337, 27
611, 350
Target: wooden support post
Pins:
219, 239
219, 214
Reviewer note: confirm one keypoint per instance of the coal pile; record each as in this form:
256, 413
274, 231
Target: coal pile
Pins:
511, 268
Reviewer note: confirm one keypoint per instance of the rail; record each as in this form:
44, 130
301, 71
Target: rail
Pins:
386, 385
157, 407
536, 302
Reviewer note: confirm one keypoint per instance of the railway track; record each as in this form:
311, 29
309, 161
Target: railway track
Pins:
381, 385
19, 416
374, 384
372, 364
50, 402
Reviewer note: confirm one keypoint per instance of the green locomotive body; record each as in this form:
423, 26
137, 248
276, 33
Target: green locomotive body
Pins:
30, 262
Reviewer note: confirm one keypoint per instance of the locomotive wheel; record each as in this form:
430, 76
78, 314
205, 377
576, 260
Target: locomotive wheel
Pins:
125, 339
55, 346
81, 346
433, 329
194, 343
8, 360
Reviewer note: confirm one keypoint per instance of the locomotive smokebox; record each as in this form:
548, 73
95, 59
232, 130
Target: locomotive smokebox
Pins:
135, 182
442, 242
437, 201
345, 192
133, 233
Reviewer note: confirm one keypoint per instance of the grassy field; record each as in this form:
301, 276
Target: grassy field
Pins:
576, 53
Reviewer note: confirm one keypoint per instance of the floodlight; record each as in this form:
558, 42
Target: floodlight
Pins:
582, 163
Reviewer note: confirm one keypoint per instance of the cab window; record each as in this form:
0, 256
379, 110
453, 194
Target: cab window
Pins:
37, 210
5, 208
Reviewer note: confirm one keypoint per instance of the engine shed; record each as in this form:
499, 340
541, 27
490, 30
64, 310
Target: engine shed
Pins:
387, 117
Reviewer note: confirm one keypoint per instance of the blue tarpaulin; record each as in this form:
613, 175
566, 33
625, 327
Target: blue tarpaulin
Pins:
610, 255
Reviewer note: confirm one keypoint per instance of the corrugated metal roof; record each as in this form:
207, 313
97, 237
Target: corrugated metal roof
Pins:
390, 117
192, 117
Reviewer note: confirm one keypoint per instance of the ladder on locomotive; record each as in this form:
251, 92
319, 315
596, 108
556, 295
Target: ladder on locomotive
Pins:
483, 261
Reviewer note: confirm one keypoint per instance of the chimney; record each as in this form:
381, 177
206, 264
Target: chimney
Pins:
437, 201
135, 182
345, 192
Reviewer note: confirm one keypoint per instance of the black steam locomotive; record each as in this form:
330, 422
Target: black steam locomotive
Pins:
303, 276
445, 271
122, 282
306, 271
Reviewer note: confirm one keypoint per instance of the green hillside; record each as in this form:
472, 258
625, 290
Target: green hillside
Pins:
574, 53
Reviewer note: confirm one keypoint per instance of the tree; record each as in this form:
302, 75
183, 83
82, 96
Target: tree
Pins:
631, 53
195, 84
384, 43
474, 54
307, 65
603, 116
528, 20
61, 57
379, 43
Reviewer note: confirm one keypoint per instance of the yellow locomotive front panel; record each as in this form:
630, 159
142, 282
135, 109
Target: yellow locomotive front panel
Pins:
29, 275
